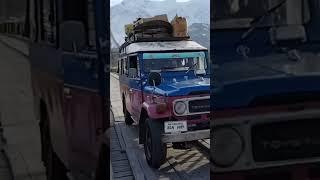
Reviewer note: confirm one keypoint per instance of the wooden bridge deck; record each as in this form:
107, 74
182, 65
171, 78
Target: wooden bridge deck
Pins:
121, 169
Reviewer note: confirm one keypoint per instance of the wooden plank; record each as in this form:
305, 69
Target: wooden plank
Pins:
205, 143
132, 157
119, 158
121, 168
116, 76
122, 174
120, 137
120, 163
186, 154
148, 172
180, 171
117, 153
125, 178
135, 165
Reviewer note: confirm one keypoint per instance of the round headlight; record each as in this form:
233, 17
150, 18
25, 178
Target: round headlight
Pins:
180, 107
227, 147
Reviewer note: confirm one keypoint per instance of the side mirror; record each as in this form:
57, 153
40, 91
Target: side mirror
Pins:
72, 36
288, 33
154, 79
133, 72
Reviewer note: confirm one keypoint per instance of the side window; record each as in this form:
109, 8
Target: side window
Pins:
133, 66
126, 66
123, 61
133, 62
118, 68
122, 67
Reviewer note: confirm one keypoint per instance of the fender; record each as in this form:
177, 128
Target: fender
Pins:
152, 111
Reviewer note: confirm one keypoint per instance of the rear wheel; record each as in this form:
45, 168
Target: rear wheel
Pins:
127, 117
155, 149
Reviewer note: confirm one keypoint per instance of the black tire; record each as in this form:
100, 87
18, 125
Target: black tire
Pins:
142, 132
155, 150
127, 117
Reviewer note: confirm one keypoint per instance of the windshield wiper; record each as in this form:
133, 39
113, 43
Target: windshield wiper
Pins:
191, 67
170, 68
165, 68
256, 21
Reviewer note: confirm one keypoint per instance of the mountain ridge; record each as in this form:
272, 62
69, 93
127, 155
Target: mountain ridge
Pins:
195, 11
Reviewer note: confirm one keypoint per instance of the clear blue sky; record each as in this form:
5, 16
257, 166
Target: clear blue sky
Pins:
114, 2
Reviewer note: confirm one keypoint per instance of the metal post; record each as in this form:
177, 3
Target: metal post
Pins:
102, 14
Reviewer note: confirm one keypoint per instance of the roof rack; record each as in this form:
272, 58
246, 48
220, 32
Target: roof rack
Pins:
158, 39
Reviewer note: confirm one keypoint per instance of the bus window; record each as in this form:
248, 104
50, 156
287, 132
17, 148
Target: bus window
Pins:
48, 21
77, 10
118, 69
91, 24
133, 62
122, 66
126, 66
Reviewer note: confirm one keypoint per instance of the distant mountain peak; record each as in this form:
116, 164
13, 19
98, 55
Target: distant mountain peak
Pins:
196, 11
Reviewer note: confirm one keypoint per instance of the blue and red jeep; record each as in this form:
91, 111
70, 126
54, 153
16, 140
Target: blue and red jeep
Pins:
165, 90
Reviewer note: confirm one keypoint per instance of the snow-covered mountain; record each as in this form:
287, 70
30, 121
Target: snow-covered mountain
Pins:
200, 33
196, 11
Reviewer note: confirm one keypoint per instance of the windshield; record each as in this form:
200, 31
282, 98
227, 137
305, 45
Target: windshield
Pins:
175, 62
239, 13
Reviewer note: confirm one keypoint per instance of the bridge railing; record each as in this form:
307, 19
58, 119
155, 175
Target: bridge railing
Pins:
15, 28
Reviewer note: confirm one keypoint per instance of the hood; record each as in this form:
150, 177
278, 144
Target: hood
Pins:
238, 84
195, 86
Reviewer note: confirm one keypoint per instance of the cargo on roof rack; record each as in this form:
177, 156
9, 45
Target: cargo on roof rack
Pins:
155, 29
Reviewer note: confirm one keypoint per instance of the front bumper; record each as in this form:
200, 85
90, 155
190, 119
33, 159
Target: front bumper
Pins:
186, 136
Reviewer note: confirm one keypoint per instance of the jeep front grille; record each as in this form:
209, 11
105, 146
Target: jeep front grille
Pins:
197, 106
290, 140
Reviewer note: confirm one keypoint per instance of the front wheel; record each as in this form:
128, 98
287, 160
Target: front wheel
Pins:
155, 149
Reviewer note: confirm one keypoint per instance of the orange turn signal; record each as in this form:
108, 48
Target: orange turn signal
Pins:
161, 108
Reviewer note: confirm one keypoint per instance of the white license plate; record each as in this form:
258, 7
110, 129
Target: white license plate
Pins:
175, 126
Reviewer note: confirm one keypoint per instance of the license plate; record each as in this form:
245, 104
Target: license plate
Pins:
175, 126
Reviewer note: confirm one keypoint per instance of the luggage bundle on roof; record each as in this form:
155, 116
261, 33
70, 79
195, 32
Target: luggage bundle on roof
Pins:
157, 28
